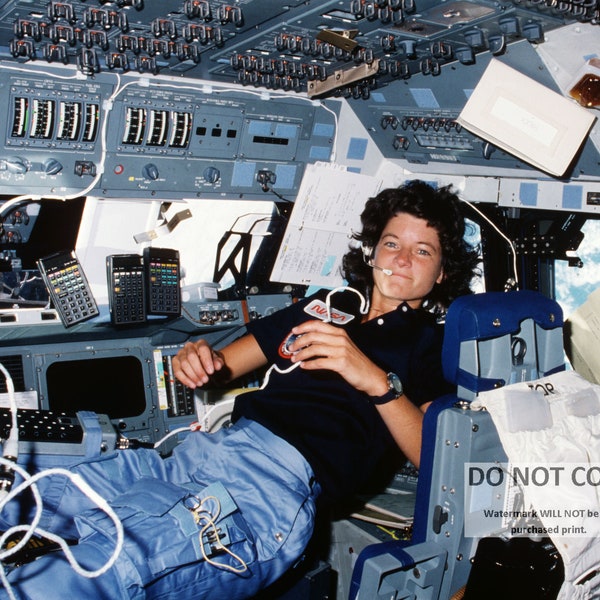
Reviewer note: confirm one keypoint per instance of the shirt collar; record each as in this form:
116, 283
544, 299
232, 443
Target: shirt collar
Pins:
404, 307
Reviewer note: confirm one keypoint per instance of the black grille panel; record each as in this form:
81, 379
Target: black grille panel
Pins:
14, 365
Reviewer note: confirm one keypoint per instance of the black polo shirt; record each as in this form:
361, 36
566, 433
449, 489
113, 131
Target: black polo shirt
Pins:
335, 426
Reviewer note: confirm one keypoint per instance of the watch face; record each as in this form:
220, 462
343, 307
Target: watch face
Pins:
395, 383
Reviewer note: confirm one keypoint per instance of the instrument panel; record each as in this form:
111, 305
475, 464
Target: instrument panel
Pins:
205, 98
314, 47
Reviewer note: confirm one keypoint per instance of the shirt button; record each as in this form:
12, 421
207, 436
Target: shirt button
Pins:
380, 321
404, 308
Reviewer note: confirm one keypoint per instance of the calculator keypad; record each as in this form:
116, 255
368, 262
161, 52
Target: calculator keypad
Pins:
164, 293
128, 295
69, 289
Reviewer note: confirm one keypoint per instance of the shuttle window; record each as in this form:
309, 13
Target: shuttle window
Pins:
573, 285
473, 238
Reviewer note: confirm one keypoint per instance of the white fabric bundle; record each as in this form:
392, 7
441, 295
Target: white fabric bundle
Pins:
550, 431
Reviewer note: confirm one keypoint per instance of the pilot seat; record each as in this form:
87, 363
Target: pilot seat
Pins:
491, 339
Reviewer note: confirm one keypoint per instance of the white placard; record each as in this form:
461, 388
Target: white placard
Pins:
526, 119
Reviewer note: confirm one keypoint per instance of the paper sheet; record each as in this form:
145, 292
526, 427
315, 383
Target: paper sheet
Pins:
326, 212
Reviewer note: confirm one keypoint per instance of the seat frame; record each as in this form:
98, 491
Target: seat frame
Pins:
491, 339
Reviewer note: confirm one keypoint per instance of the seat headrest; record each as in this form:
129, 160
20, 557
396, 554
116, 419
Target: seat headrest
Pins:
489, 315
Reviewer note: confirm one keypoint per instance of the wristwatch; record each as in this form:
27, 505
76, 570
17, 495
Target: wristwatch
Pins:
395, 390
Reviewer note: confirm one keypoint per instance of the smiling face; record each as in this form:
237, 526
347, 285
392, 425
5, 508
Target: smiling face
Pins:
411, 250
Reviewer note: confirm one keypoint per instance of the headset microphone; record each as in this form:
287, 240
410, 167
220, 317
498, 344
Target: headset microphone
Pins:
384, 271
369, 261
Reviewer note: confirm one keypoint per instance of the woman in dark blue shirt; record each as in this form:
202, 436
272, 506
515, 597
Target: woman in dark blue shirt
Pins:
411, 263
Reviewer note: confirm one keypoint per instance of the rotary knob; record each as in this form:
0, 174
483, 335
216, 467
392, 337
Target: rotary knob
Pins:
150, 171
212, 174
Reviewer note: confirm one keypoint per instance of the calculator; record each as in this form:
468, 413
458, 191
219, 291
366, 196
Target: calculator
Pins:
163, 292
126, 289
68, 287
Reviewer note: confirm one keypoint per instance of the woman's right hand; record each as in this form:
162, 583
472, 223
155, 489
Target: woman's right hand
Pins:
195, 363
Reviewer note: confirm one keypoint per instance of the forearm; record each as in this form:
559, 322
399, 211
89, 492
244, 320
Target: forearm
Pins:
405, 422
197, 363
242, 356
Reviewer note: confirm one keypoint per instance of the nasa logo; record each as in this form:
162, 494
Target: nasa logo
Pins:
319, 310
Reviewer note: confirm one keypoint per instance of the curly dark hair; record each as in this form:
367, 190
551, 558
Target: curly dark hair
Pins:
443, 211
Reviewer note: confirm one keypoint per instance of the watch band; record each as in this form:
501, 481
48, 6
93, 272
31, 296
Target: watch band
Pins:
395, 390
